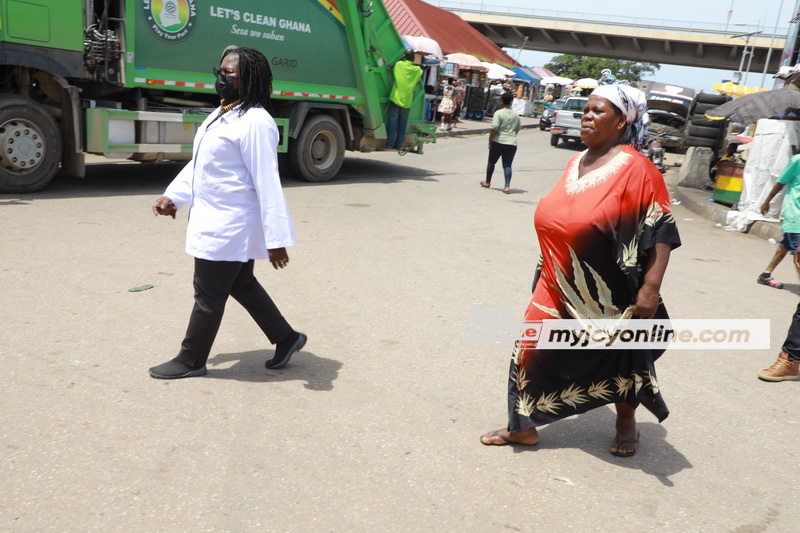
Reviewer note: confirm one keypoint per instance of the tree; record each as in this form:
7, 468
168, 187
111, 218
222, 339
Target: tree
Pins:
571, 66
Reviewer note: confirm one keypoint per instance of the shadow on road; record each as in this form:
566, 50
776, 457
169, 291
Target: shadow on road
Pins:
134, 179
572, 145
319, 373
363, 169
593, 433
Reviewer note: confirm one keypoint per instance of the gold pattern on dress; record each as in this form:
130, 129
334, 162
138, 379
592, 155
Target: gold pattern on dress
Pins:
575, 184
574, 395
581, 304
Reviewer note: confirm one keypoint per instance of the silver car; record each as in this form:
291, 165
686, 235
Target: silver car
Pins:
546, 120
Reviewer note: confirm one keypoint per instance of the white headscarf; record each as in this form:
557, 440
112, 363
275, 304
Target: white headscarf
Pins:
633, 104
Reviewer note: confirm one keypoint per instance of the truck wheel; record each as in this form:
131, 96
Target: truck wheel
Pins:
30, 146
554, 140
318, 152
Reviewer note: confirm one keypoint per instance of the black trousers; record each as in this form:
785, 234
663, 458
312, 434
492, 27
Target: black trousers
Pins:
792, 343
214, 281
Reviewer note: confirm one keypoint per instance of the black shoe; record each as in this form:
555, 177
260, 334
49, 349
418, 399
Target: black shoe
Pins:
286, 349
175, 370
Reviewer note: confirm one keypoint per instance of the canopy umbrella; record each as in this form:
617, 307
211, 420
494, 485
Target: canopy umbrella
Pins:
497, 72
425, 45
733, 89
465, 61
556, 80
750, 108
586, 83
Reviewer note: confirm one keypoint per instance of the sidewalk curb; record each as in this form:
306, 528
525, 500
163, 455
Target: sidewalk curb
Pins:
697, 202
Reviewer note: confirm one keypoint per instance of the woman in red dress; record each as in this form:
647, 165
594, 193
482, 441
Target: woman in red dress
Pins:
606, 233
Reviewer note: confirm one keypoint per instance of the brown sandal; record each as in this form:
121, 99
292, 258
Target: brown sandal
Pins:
485, 185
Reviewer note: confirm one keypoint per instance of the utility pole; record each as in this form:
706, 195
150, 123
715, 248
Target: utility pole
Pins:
771, 42
746, 36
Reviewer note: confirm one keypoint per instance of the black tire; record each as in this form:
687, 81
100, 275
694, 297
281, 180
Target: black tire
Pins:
709, 132
701, 120
30, 145
542, 126
700, 109
717, 99
702, 141
554, 140
318, 152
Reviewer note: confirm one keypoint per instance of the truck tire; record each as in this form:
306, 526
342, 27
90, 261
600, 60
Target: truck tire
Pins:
701, 120
717, 99
317, 153
702, 141
700, 108
30, 145
554, 140
709, 132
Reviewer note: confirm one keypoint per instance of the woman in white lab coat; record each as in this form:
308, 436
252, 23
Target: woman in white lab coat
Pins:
237, 213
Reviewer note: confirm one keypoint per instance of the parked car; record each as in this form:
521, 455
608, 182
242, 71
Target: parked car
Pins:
567, 120
546, 120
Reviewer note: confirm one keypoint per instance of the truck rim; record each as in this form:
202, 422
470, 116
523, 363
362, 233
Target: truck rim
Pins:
22, 146
322, 149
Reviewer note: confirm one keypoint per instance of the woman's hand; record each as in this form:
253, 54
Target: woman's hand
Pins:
164, 206
278, 257
646, 302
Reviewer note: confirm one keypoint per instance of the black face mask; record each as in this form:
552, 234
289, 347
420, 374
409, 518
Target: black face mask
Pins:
225, 88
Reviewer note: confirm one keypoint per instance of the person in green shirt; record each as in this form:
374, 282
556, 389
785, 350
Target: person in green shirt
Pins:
789, 178
503, 141
406, 77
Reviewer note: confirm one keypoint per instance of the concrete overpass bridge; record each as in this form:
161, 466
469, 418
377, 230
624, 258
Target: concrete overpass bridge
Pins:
697, 44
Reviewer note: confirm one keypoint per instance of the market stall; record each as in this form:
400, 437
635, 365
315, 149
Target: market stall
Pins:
525, 101
471, 71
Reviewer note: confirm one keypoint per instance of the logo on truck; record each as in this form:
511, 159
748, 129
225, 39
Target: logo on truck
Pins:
172, 21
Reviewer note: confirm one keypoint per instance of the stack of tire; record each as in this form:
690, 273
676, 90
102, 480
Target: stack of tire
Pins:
704, 132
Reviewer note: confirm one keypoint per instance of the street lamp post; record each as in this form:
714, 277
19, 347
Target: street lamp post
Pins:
746, 37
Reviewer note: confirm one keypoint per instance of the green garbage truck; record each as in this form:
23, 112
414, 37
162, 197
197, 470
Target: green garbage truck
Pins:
132, 79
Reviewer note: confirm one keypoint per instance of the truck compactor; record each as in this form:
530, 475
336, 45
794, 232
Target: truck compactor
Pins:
133, 79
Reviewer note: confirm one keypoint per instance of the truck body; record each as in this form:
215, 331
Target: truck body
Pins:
133, 79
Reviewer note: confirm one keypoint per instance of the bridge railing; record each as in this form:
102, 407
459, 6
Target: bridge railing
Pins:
593, 18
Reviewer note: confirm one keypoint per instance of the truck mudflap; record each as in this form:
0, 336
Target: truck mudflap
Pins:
149, 135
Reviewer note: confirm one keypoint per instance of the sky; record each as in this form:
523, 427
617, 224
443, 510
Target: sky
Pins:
762, 13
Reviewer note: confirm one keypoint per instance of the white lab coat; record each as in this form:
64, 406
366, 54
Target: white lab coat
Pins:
237, 210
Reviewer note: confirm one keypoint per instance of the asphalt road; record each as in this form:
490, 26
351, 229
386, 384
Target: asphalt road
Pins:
374, 426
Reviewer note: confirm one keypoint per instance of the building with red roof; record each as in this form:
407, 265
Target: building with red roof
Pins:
415, 17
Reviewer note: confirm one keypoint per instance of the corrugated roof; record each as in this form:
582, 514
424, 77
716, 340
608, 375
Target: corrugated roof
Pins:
415, 17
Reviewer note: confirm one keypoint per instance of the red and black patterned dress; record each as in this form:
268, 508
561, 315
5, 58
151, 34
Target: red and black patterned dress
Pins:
594, 232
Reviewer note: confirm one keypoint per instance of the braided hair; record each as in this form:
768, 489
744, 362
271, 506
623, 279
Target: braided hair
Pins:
255, 78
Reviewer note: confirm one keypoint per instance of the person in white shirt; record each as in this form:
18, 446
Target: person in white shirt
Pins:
237, 213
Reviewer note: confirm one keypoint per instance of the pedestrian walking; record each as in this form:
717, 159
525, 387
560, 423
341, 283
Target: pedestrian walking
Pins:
503, 141
238, 214
787, 366
606, 232
406, 77
789, 178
